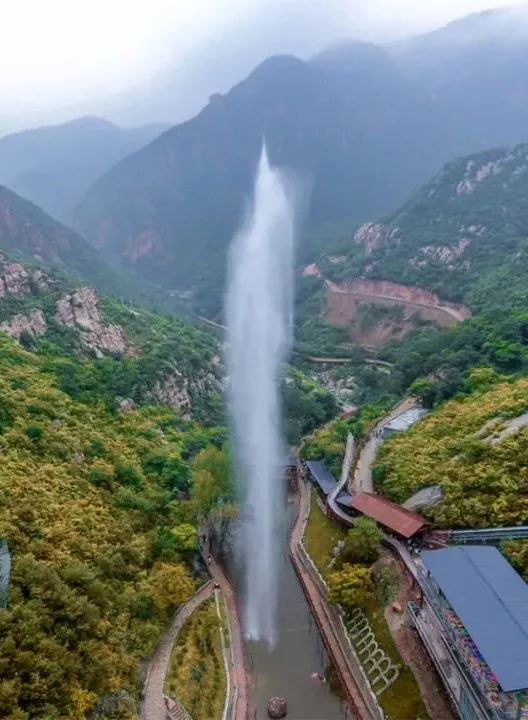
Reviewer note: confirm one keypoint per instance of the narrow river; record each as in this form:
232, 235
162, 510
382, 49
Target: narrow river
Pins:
286, 671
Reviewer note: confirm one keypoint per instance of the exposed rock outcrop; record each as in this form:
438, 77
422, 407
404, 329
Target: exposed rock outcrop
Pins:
177, 392
172, 390
373, 235
33, 324
277, 708
343, 302
17, 280
81, 310
126, 405
440, 253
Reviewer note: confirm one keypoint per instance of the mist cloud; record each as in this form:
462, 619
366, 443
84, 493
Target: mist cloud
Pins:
61, 58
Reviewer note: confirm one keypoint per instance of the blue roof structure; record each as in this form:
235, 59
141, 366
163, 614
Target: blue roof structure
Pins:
321, 476
344, 499
491, 600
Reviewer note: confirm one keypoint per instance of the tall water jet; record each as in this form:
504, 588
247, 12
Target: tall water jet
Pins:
259, 312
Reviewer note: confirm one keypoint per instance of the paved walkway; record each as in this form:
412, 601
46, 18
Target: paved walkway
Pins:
238, 674
362, 481
153, 707
322, 612
511, 427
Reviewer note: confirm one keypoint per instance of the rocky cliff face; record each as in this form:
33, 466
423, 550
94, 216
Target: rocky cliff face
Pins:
33, 325
169, 362
80, 310
17, 280
176, 391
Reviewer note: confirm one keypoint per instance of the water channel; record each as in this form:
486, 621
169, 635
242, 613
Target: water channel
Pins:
286, 669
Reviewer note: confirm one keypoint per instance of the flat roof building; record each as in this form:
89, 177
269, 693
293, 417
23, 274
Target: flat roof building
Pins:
479, 605
404, 421
321, 477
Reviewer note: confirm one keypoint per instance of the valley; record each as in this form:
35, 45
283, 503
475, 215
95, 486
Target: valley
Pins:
213, 503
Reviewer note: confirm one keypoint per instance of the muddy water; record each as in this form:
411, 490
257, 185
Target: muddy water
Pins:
286, 670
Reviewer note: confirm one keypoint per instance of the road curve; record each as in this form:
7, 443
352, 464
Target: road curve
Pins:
153, 706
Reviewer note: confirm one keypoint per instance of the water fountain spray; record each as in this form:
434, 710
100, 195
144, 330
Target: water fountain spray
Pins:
259, 312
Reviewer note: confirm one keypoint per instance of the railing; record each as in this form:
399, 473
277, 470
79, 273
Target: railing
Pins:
176, 705
336, 623
228, 697
411, 607
347, 463
487, 534
183, 615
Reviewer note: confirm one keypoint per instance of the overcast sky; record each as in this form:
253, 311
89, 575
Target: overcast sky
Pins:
62, 53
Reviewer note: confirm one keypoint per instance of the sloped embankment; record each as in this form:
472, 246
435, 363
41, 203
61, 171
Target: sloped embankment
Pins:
397, 309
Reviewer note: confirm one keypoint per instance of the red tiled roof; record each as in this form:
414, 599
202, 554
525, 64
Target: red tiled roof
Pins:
389, 514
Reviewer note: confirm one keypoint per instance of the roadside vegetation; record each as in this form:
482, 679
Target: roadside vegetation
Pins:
329, 443
353, 583
101, 537
484, 479
196, 675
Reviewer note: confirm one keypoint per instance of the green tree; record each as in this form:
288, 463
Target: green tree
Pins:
185, 538
424, 390
350, 587
211, 480
386, 583
169, 585
363, 544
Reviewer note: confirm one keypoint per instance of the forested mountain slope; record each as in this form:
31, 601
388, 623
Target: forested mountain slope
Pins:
27, 232
465, 447
53, 166
477, 66
463, 236
363, 126
457, 231
100, 545
112, 441
341, 121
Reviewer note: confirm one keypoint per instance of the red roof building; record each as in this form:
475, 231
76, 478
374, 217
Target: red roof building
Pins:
390, 515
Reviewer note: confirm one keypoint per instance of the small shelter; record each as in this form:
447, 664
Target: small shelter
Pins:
322, 479
391, 516
404, 421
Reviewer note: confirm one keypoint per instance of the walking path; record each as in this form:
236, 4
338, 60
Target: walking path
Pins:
362, 481
511, 427
238, 674
154, 702
323, 613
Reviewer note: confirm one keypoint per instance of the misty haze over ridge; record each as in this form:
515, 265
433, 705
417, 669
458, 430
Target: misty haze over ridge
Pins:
179, 89
354, 120
363, 123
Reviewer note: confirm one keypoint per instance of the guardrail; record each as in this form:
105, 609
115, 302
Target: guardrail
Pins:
483, 713
228, 697
336, 623
184, 614
488, 534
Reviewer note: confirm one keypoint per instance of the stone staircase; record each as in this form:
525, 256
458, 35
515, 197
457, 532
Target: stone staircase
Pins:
177, 713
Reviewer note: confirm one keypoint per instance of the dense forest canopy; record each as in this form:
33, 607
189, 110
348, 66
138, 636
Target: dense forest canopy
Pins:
460, 447
99, 540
